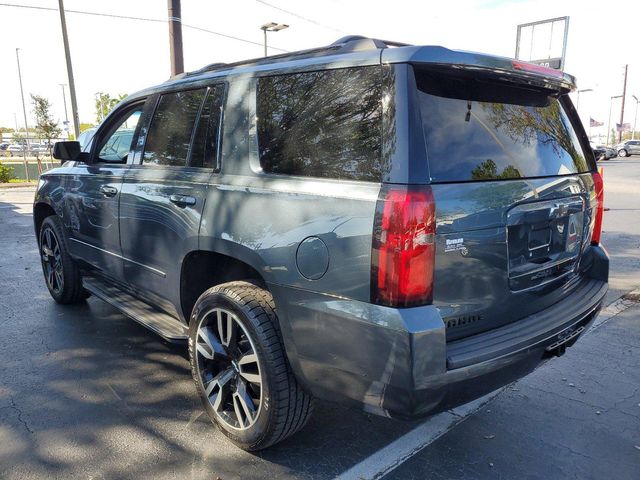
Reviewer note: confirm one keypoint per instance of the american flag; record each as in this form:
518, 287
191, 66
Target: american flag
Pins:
624, 127
595, 123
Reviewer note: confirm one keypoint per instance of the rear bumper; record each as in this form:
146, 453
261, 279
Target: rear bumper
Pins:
397, 362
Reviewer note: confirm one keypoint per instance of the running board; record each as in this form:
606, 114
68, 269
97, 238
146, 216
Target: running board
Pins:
168, 327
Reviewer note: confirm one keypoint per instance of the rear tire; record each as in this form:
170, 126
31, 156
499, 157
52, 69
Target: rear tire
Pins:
61, 273
236, 352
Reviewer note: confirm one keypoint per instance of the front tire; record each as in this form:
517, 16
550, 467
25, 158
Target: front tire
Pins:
622, 153
61, 274
240, 367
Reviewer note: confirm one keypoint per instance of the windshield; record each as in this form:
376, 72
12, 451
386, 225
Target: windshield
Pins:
479, 130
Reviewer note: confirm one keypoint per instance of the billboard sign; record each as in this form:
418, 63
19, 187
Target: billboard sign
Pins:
543, 42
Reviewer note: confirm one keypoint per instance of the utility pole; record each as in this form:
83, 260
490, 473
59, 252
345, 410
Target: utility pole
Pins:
24, 111
624, 96
64, 102
72, 85
635, 118
175, 37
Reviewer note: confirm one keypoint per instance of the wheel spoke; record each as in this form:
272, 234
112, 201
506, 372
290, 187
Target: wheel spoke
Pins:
218, 388
249, 367
59, 279
50, 276
226, 328
211, 346
243, 405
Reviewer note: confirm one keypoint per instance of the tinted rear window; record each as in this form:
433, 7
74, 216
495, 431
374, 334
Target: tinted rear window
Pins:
480, 130
321, 124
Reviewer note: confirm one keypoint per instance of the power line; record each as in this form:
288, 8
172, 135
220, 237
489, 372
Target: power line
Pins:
306, 19
142, 19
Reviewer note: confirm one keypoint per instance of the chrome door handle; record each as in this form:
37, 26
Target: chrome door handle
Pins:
108, 191
182, 200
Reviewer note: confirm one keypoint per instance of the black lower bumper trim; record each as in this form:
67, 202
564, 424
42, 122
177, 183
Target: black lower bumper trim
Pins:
538, 329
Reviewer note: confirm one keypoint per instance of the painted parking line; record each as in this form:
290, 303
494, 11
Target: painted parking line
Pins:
402, 449
411, 443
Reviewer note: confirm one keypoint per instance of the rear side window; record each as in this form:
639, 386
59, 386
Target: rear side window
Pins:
321, 124
204, 151
481, 130
169, 135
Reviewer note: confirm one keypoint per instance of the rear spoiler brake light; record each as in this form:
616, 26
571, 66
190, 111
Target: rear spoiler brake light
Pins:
533, 68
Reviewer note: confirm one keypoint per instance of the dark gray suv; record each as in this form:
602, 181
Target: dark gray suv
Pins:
400, 227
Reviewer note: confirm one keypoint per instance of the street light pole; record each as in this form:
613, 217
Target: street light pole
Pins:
609, 124
578, 98
24, 112
72, 85
64, 102
271, 27
264, 30
635, 118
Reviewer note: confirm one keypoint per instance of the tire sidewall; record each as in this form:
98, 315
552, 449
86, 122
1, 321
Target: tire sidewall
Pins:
622, 153
260, 429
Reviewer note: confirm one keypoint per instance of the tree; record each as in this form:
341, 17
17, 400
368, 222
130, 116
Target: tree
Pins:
6, 130
105, 103
18, 137
85, 126
46, 126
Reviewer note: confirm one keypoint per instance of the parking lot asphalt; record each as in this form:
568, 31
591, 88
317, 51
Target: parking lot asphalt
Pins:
87, 393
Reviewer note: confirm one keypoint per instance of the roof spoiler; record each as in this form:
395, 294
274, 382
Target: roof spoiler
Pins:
507, 68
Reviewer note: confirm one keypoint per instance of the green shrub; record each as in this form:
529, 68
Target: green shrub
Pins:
6, 173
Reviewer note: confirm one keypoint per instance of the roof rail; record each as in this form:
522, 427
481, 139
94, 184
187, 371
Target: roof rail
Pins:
350, 43
365, 43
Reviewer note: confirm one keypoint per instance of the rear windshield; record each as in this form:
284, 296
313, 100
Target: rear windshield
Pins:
481, 130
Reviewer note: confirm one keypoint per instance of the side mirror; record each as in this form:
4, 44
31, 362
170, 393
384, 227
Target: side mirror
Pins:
69, 151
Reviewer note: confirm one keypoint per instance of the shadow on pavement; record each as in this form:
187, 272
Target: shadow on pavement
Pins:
86, 392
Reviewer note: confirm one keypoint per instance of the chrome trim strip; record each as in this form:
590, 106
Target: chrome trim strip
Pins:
151, 269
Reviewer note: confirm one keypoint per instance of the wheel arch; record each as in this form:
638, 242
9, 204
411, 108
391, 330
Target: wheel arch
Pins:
205, 268
41, 210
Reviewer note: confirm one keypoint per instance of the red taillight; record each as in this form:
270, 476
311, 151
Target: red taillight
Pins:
533, 68
403, 253
598, 184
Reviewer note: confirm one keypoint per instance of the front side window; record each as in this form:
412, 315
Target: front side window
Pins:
116, 147
323, 124
169, 135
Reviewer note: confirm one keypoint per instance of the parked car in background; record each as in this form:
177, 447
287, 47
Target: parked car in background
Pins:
599, 151
39, 149
84, 139
3, 149
17, 149
403, 229
630, 147
610, 152
602, 152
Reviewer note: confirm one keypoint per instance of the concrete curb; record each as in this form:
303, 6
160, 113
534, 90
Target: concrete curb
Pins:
17, 185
